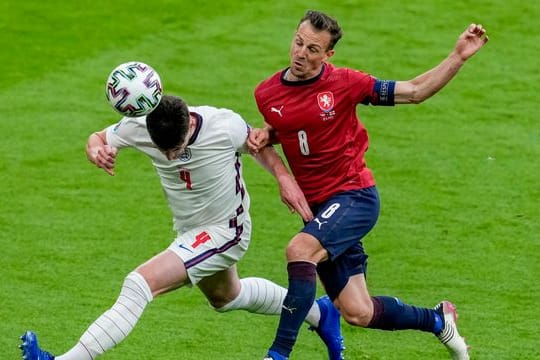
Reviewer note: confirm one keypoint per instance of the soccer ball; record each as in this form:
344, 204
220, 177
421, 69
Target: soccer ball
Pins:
134, 89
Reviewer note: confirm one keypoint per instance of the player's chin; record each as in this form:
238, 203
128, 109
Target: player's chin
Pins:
298, 73
297, 68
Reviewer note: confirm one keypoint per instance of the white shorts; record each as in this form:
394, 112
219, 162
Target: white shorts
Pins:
208, 249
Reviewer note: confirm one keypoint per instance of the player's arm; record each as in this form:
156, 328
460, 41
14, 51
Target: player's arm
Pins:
429, 83
290, 192
100, 153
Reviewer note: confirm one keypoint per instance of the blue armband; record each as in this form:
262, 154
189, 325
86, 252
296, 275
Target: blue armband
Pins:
385, 91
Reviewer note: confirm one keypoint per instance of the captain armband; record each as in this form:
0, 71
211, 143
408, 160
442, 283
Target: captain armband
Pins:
385, 92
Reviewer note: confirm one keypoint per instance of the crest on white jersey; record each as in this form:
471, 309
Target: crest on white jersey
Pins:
185, 155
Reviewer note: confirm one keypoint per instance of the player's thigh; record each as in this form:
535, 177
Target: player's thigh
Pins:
343, 220
164, 272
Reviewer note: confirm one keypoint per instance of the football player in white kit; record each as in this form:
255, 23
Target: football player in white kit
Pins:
196, 152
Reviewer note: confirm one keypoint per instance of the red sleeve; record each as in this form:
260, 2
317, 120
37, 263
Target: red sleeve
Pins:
361, 86
367, 89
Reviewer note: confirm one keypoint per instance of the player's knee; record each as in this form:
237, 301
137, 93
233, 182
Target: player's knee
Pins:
291, 252
222, 303
360, 320
219, 307
304, 247
225, 300
360, 315
134, 280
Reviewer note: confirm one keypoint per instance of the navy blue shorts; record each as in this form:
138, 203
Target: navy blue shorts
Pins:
340, 224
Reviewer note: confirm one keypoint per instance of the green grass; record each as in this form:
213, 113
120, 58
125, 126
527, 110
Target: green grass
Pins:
458, 175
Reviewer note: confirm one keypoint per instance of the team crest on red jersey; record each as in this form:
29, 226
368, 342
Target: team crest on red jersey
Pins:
326, 101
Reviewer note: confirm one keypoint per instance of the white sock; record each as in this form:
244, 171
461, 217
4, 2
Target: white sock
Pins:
115, 324
262, 296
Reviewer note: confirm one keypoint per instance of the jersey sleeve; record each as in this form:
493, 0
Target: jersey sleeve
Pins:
367, 89
258, 101
238, 132
125, 133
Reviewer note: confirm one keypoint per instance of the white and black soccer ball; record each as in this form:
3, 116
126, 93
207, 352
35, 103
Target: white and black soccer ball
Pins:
134, 89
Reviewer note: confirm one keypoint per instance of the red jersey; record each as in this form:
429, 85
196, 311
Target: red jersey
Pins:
316, 123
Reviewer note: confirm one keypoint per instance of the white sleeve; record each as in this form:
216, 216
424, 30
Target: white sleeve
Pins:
125, 133
238, 132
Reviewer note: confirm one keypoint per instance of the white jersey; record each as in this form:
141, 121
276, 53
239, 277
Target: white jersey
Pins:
204, 185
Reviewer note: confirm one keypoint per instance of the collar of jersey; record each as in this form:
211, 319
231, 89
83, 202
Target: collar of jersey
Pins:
301, 82
198, 125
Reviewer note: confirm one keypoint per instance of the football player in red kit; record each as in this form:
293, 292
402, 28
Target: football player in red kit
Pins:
310, 109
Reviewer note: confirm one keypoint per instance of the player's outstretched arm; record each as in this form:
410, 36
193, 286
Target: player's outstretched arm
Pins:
429, 83
100, 153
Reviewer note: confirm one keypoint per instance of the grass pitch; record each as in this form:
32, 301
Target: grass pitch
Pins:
458, 175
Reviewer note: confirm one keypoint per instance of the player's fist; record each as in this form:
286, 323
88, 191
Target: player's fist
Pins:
257, 139
471, 40
104, 157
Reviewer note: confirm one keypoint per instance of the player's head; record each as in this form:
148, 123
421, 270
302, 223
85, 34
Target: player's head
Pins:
313, 43
168, 125
322, 22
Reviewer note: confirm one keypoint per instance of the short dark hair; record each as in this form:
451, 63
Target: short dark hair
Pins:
168, 123
322, 22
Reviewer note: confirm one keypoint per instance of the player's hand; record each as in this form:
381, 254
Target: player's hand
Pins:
104, 157
470, 41
257, 139
293, 197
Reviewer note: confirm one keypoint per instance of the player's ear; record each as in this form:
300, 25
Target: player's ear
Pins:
329, 54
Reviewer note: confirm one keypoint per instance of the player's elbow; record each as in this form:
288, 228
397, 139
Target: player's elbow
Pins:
416, 95
408, 92
416, 100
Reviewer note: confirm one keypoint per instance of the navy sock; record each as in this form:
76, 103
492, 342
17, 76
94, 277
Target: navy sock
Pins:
391, 314
296, 305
